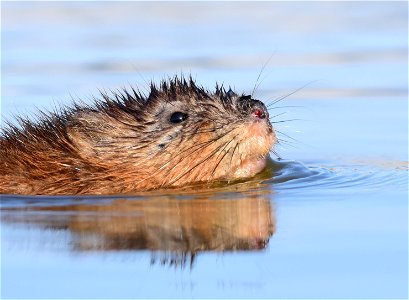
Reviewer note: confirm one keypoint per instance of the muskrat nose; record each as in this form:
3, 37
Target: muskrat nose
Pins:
258, 109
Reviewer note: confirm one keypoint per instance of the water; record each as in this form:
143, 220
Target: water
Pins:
329, 222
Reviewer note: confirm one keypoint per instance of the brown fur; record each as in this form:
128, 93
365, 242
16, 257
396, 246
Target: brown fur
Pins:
126, 143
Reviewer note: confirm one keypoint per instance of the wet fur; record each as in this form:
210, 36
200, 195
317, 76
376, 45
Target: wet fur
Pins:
125, 142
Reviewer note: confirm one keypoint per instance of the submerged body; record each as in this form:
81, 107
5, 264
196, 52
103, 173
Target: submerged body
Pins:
179, 135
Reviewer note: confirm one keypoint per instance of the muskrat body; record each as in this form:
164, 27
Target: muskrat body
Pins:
178, 135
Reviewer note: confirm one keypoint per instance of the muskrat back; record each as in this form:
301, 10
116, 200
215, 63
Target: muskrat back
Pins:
179, 134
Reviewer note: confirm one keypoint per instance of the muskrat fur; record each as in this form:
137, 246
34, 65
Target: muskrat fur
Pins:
178, 135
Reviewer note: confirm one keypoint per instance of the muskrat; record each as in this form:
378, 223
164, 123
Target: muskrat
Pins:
180, 134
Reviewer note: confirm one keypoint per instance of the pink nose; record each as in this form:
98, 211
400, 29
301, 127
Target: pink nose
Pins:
259, 113
259, 110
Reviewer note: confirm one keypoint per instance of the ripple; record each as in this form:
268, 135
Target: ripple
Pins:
280, 175
296, 175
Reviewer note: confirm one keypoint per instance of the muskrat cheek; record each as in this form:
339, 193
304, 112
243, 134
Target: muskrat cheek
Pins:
262, 134
249, 168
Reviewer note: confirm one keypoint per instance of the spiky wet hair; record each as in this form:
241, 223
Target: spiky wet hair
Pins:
129, 100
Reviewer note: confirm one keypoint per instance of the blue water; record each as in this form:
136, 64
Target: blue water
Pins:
330, 222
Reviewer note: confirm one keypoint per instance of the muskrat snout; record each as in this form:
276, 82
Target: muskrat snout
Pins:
255, 108
258, 109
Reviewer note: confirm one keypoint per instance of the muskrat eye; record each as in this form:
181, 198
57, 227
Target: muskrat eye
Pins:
178, 117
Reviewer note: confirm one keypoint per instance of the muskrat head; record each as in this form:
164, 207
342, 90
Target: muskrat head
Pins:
180, 134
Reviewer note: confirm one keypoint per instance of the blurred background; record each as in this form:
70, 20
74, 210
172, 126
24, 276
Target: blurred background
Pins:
51, 49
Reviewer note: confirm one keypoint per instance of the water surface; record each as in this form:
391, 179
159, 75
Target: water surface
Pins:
328, 219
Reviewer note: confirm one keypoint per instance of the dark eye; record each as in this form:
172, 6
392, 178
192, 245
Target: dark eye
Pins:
178, 117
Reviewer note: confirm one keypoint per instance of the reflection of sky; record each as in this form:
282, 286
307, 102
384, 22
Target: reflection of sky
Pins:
349, 242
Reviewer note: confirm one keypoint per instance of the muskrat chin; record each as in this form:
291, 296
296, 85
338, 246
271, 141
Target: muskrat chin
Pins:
258, 140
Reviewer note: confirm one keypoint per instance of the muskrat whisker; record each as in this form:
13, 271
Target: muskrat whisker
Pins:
285, 106
282, 121
280, 114
199, 146
280, 98
219, 161
204, 143
225, 153
213, 153
257, 84
280, 132
234, 150
276, 154
282, 141
196, 165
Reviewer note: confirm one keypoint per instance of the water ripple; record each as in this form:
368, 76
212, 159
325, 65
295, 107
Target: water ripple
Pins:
296, 175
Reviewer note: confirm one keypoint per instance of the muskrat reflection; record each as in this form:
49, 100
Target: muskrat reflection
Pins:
180, 226
184, 226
